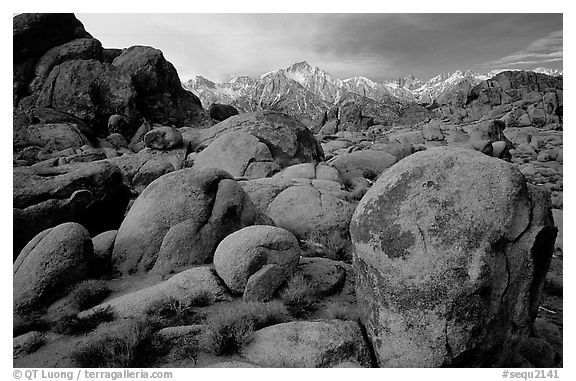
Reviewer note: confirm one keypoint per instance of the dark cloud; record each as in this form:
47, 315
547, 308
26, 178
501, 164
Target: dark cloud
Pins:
378, 46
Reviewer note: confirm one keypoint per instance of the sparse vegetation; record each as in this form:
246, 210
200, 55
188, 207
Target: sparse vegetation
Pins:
187, 348
71, 324
230, 329
173, 312
201, 299
89, 293
299, 296
340, 311
127, 345
327, 244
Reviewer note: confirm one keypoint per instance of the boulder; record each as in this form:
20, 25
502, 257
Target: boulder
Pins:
263, 284
52, 137
163, 100
308, 344
326, 275
27, 343
91, 91
243, 253
79, 49
52, 261
117, 140
239, 153
103, 244
147, 165
92, 194
36, 33
365, 164
163, 138
33, 35
221, 112
119, 124
314, 213
288, 140
182, 287
451, 249
321, 171
179, 219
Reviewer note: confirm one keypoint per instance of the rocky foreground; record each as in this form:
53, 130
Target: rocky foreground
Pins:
149, 232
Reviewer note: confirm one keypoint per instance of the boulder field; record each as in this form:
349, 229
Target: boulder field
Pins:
218, 238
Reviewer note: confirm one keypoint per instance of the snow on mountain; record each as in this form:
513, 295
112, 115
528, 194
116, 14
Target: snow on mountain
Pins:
550, 72
319, 87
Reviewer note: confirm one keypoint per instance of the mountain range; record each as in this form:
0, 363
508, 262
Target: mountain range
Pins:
306, 91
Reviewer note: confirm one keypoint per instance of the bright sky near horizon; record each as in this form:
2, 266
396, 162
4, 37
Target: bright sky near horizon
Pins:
380, 46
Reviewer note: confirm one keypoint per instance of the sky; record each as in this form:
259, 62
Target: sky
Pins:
380, 46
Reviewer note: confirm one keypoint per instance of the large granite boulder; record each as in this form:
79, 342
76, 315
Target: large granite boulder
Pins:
316, 211
79, 49
287, 140
91, 91
179, 219
239, 153
243, 253
162, 98
308, 344
450, 250
33, 35
54, 259
182, 288
221, 112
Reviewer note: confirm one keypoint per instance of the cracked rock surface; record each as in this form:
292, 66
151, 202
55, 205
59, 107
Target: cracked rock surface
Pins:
451, 248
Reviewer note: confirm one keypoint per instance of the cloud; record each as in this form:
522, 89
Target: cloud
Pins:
545, 49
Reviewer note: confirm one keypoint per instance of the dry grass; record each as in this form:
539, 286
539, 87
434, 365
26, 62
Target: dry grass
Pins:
230, 329
172, 312
71, 324
127, 345
89, 293
299, 296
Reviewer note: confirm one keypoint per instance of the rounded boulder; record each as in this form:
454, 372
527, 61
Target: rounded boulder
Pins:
53, 260
241, 254
179, 219
450, 252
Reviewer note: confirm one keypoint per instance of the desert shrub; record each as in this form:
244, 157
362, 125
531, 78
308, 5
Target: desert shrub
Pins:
127, 345
230, 329
186, 348
299, 296
201, 299
332, 244
89, 293
340, 311
173, 312
71, 324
